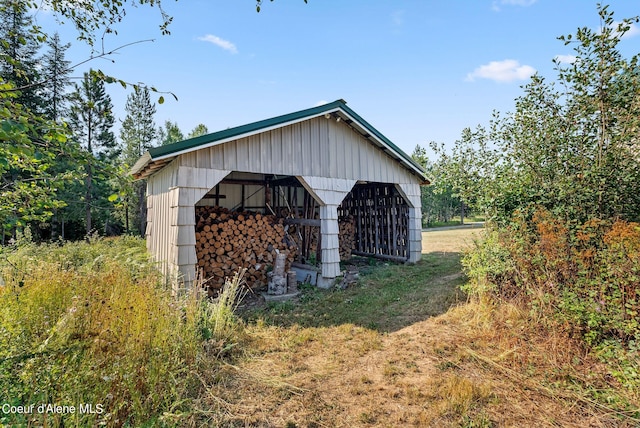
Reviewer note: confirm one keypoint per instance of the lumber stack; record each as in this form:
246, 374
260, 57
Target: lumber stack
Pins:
228, 241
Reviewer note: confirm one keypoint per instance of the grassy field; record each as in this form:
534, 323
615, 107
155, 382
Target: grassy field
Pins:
404, 348
401, 347
429, 288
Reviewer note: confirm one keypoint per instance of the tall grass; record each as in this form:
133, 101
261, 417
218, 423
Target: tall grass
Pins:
580, 278
91, 324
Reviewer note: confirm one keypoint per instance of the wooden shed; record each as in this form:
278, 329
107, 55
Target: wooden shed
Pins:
323, 176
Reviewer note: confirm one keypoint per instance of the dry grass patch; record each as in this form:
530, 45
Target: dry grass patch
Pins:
473, 366
449, 240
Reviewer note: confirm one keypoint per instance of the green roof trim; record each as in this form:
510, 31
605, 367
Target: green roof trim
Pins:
378, 134
157, 153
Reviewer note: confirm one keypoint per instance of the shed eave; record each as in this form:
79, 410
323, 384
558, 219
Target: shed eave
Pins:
384, 142
141, 164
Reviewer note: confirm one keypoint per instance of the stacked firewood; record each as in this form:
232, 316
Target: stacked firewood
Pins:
347, 236
346, 233
228, 241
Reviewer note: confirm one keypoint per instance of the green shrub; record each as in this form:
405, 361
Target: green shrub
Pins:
488, 265
584, 276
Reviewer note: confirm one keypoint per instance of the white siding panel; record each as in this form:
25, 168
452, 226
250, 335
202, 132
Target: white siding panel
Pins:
186, 235
411, 193
255, 148
186, 256
316, 147
186, 217
162, 196
242, 153
330, 242
307, 150
385, 162
324, 147
204, 159
275, 152
230, 156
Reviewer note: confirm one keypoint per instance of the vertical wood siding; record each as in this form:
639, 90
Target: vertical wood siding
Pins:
161, 193
317, 147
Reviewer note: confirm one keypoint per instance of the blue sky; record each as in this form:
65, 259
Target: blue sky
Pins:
417, 70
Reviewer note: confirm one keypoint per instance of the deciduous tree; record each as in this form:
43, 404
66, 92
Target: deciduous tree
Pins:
200, 129
570, 146
170, 133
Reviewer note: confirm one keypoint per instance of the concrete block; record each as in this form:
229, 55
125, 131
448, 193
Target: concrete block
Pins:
326, 282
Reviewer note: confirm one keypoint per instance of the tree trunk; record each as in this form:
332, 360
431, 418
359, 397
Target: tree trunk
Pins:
88, 197
126, 216
142, 207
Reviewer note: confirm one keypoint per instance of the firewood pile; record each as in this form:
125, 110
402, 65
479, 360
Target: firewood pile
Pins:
228, 241
347, 237
346, 232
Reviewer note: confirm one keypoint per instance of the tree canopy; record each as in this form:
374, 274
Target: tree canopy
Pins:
35, 143
570, 146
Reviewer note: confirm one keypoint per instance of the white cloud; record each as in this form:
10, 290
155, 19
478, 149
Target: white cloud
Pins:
502, 71
634, 30
524, 3
222, 43
397, 18
321, 103
566, 59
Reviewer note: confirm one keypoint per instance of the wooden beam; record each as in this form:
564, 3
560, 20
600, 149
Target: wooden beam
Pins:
381, 256
302, 221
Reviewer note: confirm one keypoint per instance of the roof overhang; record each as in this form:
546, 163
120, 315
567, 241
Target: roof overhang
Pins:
156, 158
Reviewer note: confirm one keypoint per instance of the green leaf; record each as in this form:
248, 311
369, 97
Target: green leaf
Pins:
161, 100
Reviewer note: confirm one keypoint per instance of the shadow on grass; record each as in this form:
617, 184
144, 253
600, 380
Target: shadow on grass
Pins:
387, 297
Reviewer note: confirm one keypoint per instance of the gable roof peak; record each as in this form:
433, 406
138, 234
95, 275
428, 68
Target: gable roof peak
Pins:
164, 153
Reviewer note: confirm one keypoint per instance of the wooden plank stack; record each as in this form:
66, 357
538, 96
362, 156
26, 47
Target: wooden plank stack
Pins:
228, 241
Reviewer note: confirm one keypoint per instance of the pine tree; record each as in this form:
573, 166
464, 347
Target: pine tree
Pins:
18, 53
138, 131
137, 135
91, 121
55, 73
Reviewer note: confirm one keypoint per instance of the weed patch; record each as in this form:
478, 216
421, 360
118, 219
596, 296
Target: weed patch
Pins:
581, 279
91, 326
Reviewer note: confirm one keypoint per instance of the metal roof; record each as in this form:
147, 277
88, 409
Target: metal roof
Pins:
157, 157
